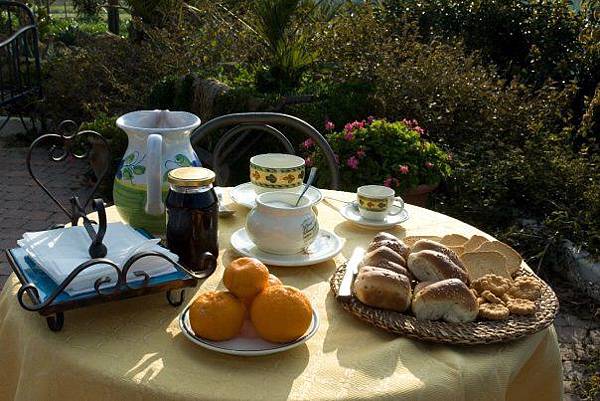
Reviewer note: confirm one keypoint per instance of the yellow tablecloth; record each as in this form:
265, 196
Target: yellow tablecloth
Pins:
133, 350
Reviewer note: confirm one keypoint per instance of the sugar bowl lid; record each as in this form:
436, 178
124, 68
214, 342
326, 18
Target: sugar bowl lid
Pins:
191, 176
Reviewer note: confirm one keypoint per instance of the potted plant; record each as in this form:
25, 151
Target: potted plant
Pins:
395, 154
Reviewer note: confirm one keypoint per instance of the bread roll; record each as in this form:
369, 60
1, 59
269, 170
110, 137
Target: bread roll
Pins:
434, 266
449, 300
395, 267
381, 255
426, 244
391, 241
383, 289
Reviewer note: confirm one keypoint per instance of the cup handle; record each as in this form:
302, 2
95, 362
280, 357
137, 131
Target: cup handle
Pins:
398, 204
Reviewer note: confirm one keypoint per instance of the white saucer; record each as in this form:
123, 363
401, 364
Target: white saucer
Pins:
245, 195
351, 213
326, 246
248, 343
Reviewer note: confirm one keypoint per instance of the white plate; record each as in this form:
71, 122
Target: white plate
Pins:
248, 343
351, 213
326, 246
245, 195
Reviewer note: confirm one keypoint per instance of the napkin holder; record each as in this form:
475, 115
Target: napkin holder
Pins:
49, 299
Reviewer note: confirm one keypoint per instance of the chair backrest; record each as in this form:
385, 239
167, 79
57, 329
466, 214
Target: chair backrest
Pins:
240, 125
20, 71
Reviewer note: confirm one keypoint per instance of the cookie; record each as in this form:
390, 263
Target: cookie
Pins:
526, 288
496, 284
493, 311
458, 250
491, 298
521, 306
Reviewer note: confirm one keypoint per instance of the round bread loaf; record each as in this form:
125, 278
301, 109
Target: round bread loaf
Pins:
381, 255
395, 267
449, 300
427, 244
434, 266
391, 241
383, 289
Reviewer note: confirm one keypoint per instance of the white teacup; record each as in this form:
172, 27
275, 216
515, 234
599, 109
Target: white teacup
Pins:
276, 226
276, 172
376, 202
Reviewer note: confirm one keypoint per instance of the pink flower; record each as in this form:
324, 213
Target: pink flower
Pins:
329, 126
370, 119
308, 161
348, 127
308, 143
429, 165
388, 182
360, 153
352, 162
404, 169
349, 135
419, 130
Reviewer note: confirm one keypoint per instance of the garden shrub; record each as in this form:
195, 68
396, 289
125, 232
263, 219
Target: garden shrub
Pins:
173, 93
393, 154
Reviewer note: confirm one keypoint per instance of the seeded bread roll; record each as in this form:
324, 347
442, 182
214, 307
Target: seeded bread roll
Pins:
426, 244
389, 240
449, 300
395, 267
381, 288
434, 266
381, 255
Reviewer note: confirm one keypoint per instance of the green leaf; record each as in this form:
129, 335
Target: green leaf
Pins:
127, 173
182, 160
139, 170
129, 158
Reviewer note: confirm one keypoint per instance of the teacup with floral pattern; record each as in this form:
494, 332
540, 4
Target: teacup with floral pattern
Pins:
276, 172
376, 202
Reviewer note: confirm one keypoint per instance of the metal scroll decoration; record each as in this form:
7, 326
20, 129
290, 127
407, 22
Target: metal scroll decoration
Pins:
68, 142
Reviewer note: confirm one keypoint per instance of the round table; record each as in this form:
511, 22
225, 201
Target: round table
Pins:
134, 350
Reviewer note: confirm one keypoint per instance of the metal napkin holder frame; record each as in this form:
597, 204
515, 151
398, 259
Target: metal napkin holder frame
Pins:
72, 141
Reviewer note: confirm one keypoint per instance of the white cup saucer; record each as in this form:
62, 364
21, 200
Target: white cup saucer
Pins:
245, 195
350, 212
326, 246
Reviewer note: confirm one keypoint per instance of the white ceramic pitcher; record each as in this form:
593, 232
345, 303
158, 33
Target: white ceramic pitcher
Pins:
158, 141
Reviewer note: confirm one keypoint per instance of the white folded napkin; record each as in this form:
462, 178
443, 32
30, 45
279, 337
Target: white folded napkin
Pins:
58, 252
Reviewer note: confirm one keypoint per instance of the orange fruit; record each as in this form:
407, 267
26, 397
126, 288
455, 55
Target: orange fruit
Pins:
273, 280
281, 313
217, 315
246, 277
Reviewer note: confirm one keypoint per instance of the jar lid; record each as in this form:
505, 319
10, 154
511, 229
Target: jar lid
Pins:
191, 176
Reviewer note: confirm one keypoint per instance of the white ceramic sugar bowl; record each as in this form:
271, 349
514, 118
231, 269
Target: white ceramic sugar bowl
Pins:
276, 226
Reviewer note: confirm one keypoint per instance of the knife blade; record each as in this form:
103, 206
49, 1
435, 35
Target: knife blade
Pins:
345, 290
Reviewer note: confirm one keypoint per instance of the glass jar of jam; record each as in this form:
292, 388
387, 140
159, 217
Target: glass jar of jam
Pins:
192, 215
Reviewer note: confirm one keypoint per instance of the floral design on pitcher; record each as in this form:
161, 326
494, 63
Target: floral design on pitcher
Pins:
131, 166
271, 178
180, 161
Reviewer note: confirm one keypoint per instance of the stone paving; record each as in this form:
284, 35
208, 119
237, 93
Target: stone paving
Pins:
24, 207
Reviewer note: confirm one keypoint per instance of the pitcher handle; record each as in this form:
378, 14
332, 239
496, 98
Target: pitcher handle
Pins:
154, 203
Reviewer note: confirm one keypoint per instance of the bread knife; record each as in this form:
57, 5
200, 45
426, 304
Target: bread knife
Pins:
345, 290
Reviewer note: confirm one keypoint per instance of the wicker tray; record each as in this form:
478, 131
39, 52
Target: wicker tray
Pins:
474, 333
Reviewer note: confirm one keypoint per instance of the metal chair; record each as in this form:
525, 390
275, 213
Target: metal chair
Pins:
20, 71
241, 125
